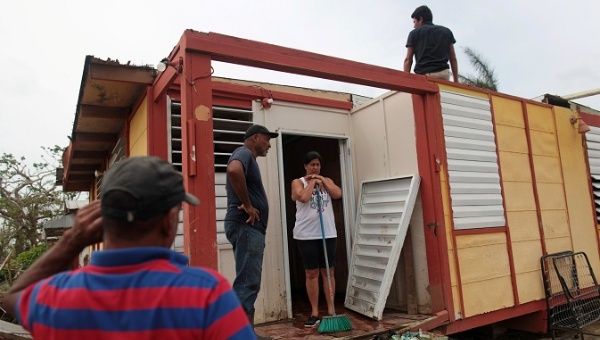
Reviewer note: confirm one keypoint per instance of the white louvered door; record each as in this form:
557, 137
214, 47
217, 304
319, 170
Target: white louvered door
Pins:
384, 212
472, 162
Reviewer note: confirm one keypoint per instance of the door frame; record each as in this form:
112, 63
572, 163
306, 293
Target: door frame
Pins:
347, 186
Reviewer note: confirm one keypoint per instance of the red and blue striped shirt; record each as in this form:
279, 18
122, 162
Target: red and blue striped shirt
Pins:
134, 293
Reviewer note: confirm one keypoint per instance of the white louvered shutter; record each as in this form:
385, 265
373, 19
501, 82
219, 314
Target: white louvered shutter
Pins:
593, 152
382, 220
472, 162
229, 126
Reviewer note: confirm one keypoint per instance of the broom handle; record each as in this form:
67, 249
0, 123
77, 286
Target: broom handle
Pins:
319, 203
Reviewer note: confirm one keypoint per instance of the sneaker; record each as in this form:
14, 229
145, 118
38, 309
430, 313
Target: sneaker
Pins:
312, 321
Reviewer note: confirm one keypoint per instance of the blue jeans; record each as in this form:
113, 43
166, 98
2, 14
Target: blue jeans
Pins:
248, 249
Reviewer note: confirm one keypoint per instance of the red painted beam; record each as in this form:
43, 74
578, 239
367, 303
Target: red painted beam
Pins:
167, 77
495, 316
200, 237
438, 265
157, 126
259, 92
257, 54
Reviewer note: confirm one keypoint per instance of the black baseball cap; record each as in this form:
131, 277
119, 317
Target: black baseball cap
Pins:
254, 129
152, 186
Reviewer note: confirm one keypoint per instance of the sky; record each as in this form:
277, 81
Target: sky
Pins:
535, 46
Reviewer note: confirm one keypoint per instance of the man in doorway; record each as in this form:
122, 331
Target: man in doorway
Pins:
247, 214
136, 287
432, 47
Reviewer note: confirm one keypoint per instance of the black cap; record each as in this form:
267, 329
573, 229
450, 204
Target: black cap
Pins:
254, 129
153, 185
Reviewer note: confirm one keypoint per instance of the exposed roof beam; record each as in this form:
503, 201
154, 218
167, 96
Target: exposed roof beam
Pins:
86, 154
122, 73
257, 54
104, 112
581, 94
84, 167
95, 137
81, 177
77, 185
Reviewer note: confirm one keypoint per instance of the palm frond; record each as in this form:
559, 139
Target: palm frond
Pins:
486, 77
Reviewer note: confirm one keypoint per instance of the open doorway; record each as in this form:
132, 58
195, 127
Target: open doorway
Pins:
294, 147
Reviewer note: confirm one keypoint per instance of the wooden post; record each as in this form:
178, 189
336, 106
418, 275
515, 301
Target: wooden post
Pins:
409, 275
200, 231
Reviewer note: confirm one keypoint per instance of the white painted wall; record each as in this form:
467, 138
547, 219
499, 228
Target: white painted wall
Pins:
384, 141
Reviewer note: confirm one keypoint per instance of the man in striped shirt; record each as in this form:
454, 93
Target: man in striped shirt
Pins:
136, 288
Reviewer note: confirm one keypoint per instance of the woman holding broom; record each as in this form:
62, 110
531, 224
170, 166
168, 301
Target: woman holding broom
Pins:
311, 193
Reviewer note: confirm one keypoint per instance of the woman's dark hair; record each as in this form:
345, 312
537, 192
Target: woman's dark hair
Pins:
312, 155
422, 12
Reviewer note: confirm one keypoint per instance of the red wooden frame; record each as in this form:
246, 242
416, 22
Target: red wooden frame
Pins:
198, 50
495, 316
533, 179
438, 265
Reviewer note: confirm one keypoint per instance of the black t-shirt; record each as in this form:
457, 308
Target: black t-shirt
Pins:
431, 45
256, 191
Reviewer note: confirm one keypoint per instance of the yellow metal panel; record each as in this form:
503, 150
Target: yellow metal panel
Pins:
526, 255
480, 240
508, 112
483, 263
515, 167
555, 224
551, 196
453, 271
448, 225
555, 245
540, 118
511, 139
486, 296
518, 196
579, 200
530, 286
450, 88
547, 169
456, 298
523, 226
138, 127
140, 146
543, 143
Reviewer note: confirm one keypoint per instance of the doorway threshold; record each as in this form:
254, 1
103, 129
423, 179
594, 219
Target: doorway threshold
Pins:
362, 326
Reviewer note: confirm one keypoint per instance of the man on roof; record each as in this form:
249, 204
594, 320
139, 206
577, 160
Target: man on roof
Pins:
432, 46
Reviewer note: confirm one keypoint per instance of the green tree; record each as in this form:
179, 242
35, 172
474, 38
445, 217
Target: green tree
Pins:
29, 196
485, 76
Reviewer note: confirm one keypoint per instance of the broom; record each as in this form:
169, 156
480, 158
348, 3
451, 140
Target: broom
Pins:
333, 323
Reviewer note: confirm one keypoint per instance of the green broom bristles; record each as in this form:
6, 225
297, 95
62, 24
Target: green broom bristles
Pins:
335, 323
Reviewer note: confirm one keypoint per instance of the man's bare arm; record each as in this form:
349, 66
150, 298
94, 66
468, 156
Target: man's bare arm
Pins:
453, 63
237, 178
408, 61
86, 231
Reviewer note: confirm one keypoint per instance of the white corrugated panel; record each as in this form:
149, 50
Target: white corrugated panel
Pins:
229, 125
593, 151
472, 162
381, 226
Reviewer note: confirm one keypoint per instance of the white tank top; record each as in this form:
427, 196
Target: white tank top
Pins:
307, 225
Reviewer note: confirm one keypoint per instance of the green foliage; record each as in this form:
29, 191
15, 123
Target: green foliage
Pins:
485, 77
26, 258
29, 196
